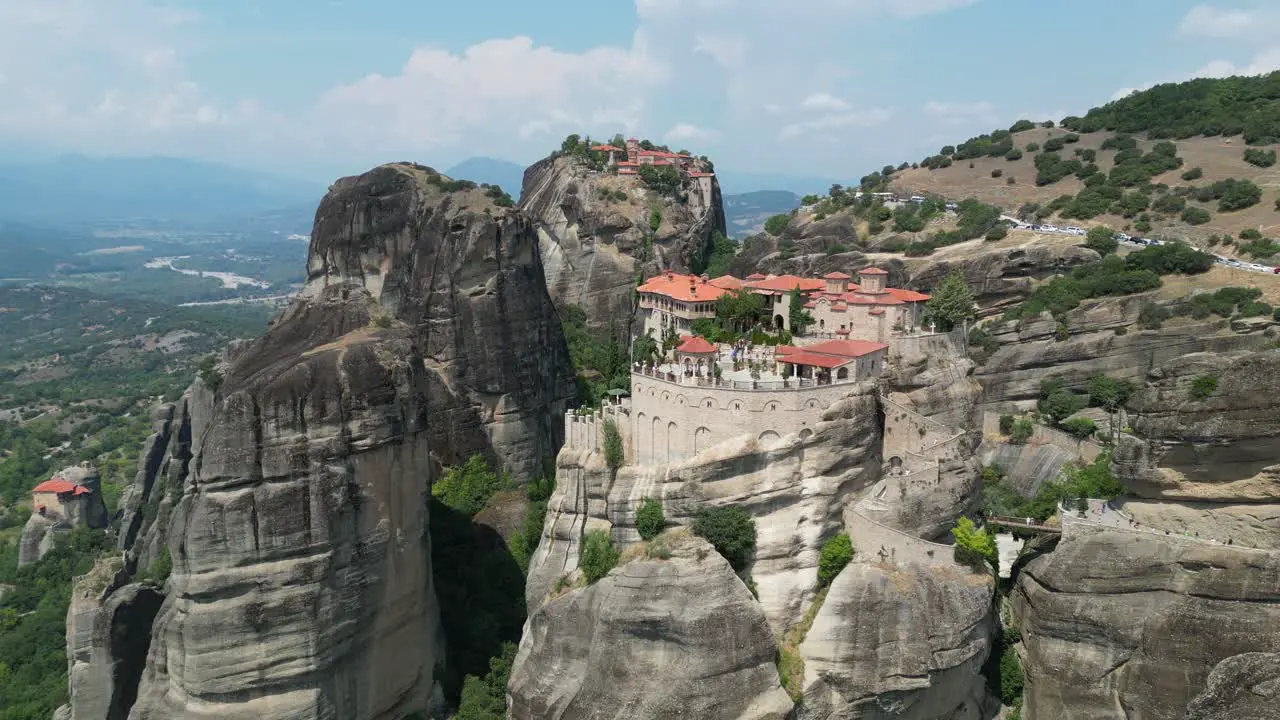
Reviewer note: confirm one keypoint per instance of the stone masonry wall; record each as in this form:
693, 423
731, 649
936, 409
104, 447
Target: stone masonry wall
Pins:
673, 422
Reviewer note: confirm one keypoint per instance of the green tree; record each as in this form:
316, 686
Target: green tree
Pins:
975, 547
1021, 431
731, 530
655, 218
740, 310
1194, 173
613, 454
951, 304
650, 520
1101, 239
776, 224
798, 317
467, 489
1202, 386
1006, 424
598, 555
1195, 216
486, 698
645, 348
1061, 404
571, 144
1080, 427
835, 554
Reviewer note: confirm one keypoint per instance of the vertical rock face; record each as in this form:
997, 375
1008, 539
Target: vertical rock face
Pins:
595, 232
1122, 624
902, 642
108, 635
302, 583
796, 492
656, 638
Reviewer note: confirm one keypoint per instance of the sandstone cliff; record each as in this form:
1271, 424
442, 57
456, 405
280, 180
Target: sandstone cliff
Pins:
796, 491
906, 642
1102, 337
658, 637
291, 498
595, 234
1122, 624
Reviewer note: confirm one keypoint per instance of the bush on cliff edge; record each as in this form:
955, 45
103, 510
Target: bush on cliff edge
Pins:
650, 519
836, 553
732, 532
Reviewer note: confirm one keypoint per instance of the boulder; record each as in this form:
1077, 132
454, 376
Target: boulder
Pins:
1242, 687
658, 637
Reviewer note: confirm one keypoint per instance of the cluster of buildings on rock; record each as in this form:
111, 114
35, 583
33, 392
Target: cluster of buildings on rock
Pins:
868, 310
72, 497
686, 164
707, 394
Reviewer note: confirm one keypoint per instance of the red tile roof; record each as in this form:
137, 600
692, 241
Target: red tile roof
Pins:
755, 276
727, 282
701, 174
872, 271
907, 295
606, 148
837, 276
686, 288
787, 283
816, 360
696, 345
845, 348
59, 486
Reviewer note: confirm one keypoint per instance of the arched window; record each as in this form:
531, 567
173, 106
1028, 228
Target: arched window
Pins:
842, 373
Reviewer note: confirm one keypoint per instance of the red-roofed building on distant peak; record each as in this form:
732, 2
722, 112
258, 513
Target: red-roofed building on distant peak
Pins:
69, 498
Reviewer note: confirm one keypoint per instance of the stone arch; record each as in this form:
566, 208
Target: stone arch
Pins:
680, 400
707, 404
643, 450
735, 407
778, 321
657, 448
812, 404
653, 392
701, 440
639, 389
805, 434
666, 396
673, 442
771, 406
769, 439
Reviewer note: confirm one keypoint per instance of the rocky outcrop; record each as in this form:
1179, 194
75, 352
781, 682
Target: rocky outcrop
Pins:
1119, 624
302, 583
594, 230
38, 536
659, 637
45, 525
796, 491
1101, 338
108, 635
903, 642
1242, 687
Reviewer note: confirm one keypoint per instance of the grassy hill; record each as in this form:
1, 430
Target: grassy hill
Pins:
1193, 161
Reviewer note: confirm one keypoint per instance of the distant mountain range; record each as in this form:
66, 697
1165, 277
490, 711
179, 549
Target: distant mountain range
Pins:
79, 190
505, 174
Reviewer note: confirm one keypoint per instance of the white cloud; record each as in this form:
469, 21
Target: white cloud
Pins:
824, 102
1266, 61
687, 132
438, 98
863, 119
1223, 23
728, 51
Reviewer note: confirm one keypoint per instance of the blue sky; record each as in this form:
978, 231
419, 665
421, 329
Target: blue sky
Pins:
833, 88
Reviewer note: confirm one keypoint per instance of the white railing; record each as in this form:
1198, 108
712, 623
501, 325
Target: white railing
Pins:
795, 383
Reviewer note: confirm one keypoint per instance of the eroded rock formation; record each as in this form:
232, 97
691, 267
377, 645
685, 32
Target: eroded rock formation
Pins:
679, 636
595, 232
290, 495
904, 641
796, 491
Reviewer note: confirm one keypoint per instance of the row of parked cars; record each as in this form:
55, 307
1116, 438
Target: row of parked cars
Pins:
1135, 240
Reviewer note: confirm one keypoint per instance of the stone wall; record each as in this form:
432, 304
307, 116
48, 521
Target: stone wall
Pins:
907, 433
673, 422
874, 542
